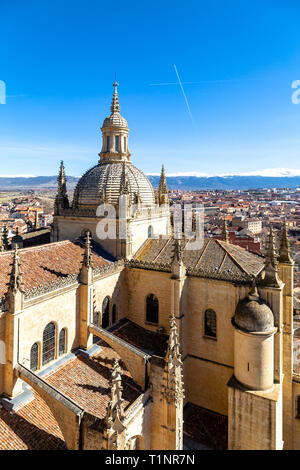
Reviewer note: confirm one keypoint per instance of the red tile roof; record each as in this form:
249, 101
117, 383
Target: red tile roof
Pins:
30, 427
44, 264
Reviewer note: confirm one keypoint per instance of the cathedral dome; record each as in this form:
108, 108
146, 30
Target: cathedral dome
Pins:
253, 315
105, 181
115, 120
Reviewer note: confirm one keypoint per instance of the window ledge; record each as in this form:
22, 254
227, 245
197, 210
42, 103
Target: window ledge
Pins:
210, 337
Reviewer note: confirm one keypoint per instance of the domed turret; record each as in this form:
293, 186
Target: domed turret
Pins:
254, 342
253, 314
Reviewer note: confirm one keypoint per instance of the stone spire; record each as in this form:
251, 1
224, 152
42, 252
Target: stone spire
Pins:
61, 200
284, 251
163, 195
225, 234
115, 105
115, 411
271, 264
177, 266
172, 388
86, 271
15, 291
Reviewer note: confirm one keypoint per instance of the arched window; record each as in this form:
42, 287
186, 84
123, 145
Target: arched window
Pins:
34, 357
105, 312
210, 323
62, 342
114, 314
152, 309
49, 343
150, 231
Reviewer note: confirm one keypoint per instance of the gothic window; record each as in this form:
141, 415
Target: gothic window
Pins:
114, 314
150, 231
105, 312
152, 309
108, 143
210, 323
62, 342
49, 343
117, 143
34, 357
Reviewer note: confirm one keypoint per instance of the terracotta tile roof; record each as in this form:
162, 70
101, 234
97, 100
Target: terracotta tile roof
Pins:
205, 426
84, 380
45, 264
216, 259
31, 427
87, 381
149, 341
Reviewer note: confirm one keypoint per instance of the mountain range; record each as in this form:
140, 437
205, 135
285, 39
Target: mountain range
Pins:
273, 178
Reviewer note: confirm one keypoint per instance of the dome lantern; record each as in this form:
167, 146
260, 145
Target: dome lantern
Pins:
115, 134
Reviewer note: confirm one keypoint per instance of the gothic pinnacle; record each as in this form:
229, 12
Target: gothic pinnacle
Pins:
116, 406
284, 251
87, 258
271, 264
163, 196
15, 282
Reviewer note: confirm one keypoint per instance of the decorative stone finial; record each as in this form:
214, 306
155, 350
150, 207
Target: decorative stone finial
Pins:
172, 388
225, 235
285, 251
163, 195
271, 264
86, 271
15, 282
177, 266
115, 106
253, 294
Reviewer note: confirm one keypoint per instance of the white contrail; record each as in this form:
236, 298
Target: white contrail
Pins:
190, 83
184, 95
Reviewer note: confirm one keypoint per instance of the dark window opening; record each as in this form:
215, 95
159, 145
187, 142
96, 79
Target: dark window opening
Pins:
114, 314
62, 342
105, 312
152, 309
210, 323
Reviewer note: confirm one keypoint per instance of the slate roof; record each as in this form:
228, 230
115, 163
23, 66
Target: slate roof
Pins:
46, 264
216, 259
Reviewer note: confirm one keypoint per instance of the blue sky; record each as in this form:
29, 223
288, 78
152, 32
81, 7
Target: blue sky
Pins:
58, 59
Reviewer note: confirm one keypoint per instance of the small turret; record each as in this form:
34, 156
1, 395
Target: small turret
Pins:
177, 266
